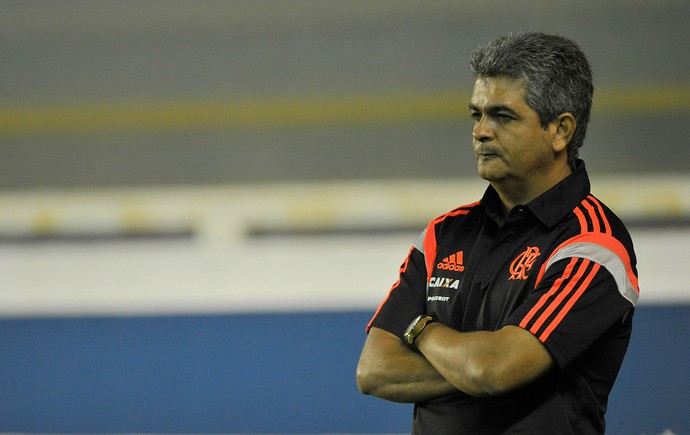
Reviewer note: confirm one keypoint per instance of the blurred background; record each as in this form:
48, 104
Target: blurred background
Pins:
203, 202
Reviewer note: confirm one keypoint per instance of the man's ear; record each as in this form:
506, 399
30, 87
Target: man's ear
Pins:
565, 128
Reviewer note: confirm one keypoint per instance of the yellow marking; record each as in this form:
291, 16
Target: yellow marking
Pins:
642, 100
301, 112
44, 222
134, 220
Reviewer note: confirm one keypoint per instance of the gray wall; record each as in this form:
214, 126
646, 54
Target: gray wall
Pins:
137, 82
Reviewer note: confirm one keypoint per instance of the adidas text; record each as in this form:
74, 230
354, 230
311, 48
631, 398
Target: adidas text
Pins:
451, 266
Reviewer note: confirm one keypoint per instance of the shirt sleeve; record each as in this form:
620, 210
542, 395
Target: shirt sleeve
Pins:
576, 302
407, 297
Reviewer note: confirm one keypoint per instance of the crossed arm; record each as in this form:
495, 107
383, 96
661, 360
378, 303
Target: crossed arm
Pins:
479, 363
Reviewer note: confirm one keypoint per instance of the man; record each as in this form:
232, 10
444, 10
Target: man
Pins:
513, 314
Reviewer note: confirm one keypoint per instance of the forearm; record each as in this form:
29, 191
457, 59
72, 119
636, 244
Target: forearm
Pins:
460, 358
484, 363
410, 380
389, 369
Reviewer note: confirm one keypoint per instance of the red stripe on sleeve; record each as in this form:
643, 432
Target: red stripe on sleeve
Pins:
592, 216
574, 298
581, 218
584, 263
430, 249
607, 226
554, 288
403, 268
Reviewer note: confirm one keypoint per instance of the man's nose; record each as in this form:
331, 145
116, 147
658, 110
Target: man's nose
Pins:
482, 131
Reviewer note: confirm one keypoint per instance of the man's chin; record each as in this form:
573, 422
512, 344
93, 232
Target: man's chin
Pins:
491, 168
486, 173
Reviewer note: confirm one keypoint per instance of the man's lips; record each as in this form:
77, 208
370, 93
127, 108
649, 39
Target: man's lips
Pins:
486, 154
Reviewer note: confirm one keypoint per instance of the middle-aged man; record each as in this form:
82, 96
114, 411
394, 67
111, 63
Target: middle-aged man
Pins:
513, 314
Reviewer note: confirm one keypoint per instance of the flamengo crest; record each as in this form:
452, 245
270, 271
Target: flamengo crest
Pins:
523, 263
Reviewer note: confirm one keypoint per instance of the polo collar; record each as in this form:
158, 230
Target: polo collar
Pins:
554, 204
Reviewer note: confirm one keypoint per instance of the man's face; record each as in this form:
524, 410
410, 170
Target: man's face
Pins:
510, 144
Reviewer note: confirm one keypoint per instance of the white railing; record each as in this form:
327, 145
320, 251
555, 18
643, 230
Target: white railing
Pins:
214, 262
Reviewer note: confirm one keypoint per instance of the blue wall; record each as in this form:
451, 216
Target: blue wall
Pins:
265, 373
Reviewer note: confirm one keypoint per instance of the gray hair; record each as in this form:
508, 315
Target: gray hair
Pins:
556, 72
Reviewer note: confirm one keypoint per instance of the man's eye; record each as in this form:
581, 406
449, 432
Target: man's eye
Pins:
476, 116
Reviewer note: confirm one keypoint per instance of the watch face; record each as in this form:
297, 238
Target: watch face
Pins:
415, 327
409, 338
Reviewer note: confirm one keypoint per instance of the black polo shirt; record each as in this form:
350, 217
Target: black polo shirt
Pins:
561, 267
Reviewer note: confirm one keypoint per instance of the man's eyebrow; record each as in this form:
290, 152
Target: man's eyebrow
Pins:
494, 109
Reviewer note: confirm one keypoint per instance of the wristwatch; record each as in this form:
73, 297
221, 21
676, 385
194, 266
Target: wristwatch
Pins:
416, 327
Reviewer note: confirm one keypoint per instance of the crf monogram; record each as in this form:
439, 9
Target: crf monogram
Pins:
523, 263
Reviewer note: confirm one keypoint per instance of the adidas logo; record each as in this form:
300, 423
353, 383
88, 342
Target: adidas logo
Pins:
452, 263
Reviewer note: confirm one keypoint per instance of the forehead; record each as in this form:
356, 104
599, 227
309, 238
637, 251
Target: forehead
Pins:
499, 91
